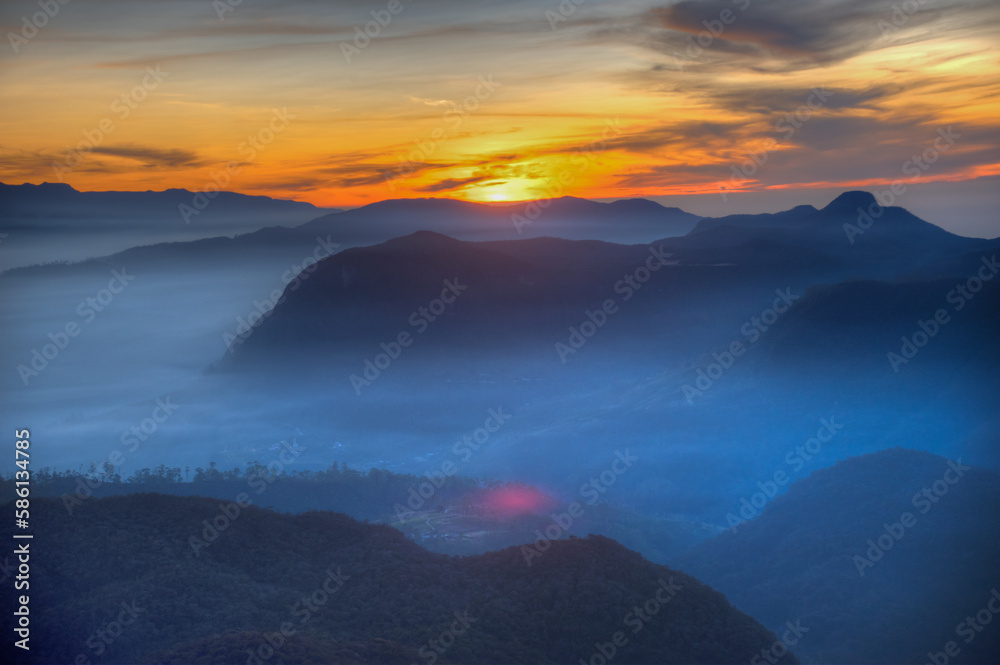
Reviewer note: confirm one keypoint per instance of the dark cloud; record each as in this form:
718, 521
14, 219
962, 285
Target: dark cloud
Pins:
259, 28
657, 176
828, 150
50, 164
361, 174
656, 139
302, 184
772, 100
779, 36
27, 163
452, 184
791, 28
151, 157
652, 140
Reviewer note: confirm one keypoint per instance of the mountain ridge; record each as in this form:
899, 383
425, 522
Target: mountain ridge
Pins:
581, 591
931, 571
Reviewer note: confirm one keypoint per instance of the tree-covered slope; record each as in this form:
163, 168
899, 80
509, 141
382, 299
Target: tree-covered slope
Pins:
155, 578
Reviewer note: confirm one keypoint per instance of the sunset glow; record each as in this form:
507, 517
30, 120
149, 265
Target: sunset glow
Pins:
611, 100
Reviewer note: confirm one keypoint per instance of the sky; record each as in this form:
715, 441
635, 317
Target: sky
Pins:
713, 105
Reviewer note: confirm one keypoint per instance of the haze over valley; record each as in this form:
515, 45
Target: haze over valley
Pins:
660, 331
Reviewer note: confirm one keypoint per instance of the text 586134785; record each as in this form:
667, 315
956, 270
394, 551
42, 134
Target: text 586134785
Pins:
22, 478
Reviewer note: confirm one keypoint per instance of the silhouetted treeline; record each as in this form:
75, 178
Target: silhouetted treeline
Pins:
376, 495
363, 495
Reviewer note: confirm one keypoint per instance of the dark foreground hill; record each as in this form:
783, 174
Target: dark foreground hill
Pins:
884, 558
154, 578
462, 515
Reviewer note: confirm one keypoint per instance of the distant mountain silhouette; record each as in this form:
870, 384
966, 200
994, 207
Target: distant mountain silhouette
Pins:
803, 559
39, 203
814, 240
627, 221
853, 230
194, 578
523, 289
54, 222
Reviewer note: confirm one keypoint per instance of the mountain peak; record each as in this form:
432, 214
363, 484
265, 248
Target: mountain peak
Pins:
422, 240
637, 205
572, 199
849, 202
53, 187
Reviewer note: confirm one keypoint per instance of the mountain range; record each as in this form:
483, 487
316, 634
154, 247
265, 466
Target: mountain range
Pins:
54, 222
658, 371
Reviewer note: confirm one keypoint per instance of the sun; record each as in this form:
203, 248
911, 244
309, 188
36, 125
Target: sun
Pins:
504, 191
